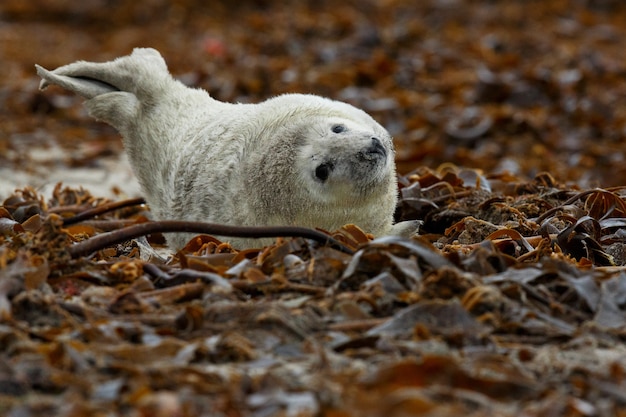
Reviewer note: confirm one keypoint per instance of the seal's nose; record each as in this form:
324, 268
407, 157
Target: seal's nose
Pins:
376, 147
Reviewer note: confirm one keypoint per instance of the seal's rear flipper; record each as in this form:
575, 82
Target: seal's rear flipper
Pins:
115, 90
143, 73
85, 87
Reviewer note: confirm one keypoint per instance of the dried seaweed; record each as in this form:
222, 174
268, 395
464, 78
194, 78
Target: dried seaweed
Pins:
432, 300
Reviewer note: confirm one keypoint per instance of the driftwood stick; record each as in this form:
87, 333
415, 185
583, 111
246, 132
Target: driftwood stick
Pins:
168, 226
101, 209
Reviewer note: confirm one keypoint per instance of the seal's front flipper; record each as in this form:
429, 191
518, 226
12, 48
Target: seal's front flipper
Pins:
406, 228
85, 87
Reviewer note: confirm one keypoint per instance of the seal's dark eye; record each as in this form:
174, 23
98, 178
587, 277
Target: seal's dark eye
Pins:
338, 128
323, 171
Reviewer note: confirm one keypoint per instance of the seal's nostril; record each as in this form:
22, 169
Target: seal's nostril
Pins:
377, 147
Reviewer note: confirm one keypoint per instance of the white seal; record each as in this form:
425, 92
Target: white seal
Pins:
295, 159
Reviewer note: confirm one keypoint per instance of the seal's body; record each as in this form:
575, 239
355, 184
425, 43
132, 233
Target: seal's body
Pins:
294, 159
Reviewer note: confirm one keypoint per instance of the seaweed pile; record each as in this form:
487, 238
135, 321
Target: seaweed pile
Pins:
512, 298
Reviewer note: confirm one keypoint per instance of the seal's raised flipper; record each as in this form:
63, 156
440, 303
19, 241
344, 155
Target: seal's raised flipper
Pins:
85, 87
142, 73
117, 89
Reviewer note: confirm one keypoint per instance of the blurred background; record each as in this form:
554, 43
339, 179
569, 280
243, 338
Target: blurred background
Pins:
505, 86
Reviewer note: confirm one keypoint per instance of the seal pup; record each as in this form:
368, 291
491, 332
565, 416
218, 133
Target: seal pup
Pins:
295, 159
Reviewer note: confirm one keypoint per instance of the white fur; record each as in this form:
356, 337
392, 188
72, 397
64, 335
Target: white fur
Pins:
200, 159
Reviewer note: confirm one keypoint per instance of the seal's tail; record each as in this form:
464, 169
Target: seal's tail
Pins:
114, 89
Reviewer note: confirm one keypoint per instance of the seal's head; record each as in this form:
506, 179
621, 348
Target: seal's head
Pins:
343, 160
324, 164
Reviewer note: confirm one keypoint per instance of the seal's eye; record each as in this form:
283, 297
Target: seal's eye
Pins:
338, 128
323, 171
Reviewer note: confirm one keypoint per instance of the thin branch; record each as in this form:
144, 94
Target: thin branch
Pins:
169, 226
101, 209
